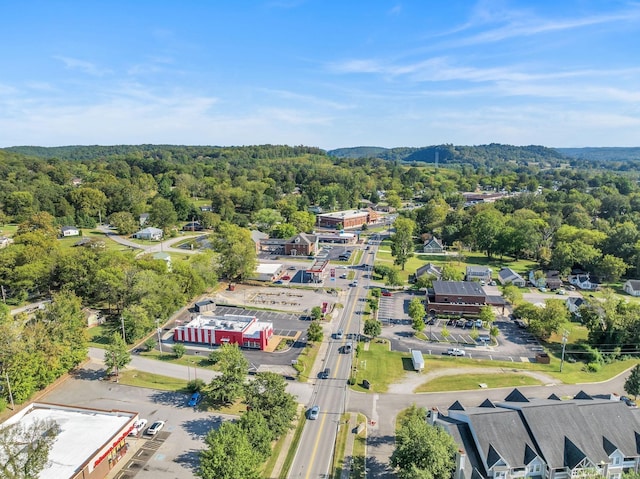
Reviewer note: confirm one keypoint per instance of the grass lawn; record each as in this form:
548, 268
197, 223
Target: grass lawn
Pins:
341, 443
359, 448
8, 230
133, 377
110, 245
306, 360
463, 382
380, 367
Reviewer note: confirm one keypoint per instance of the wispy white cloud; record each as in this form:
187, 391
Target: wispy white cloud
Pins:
308, 99
524, 23
395, 10
82, 66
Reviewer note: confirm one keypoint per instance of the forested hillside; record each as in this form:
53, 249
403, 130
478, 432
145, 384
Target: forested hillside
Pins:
553, 215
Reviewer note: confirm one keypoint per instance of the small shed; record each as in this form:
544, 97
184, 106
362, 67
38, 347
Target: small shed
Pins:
205, 305
417, 359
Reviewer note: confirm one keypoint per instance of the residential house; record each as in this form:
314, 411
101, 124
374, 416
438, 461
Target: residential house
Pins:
5, 241
206, 208
433, 245
574, 303
632, 287
192, 226
458, 298
150, 233
302, 244
76, 181
143, 219
429, 269
164, 256
509, 276
548, 279
69, 231
478, 273
582, 280
522, 437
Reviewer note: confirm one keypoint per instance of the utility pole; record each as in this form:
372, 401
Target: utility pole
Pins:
159, 337
122, 324
565, 337
13, 406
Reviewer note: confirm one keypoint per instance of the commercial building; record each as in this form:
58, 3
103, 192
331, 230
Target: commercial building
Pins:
459, 298
89, 443
268, 271
245, 331
347, 219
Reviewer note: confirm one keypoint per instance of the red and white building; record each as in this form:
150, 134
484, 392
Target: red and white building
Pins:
245, 331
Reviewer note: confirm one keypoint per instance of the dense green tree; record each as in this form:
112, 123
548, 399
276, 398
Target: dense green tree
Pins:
228, 386
486, 227
124, 222
549, 319
372, 328
116, 355
237, 252
256, 427
229, 454
283, 230
267, 395
423, 451
632, 383
402, 241
314, 332
162, 213
25, 449
266, 218
417, 314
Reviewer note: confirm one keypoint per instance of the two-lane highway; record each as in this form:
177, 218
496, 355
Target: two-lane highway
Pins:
316, 447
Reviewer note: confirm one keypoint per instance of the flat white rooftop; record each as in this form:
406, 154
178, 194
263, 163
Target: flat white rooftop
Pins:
345, 214
268, 268
228, 322
82, 433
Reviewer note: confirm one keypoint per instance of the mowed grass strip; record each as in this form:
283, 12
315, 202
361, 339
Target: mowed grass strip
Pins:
380, 367
465, 382
142, 379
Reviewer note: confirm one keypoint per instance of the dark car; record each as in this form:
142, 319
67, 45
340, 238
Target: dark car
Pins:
325, 374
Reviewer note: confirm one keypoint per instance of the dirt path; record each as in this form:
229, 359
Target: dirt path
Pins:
414, 379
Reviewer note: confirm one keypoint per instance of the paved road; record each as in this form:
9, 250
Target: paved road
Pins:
156, 248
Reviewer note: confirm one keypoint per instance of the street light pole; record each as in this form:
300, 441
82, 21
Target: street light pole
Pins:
6, 375
122, 324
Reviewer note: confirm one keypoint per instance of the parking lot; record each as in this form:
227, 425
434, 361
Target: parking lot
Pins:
173, 452
514, 343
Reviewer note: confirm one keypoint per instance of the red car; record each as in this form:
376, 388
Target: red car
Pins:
286, 278
386, 292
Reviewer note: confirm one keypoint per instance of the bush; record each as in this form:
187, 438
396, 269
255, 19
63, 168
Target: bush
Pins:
593, 367
3, 404
179, 350
195, 385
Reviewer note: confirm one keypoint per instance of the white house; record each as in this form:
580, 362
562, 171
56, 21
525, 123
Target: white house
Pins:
478, 273
507, 275
144, 218
70, 231
632, 287
582, 280
149, 233
574, 303
164, 256
5, 241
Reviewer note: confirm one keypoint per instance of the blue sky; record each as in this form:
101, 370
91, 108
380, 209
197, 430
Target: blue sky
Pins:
321, 73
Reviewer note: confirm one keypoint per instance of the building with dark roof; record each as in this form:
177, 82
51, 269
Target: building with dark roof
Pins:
459, 297
544, 438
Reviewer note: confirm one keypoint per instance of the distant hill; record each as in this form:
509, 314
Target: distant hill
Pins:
602, 153
450, 154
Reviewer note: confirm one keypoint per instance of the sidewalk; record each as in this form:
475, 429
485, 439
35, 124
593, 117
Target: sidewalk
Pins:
348, 462
277, 468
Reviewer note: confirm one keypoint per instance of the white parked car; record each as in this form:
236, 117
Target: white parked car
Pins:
138, 426
155, 428
455, 352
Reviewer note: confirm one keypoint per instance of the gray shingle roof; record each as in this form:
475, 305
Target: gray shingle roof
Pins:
460, 288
